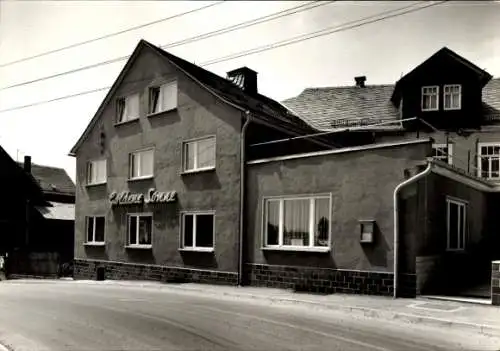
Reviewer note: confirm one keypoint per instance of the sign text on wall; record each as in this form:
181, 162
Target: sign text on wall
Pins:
152, 197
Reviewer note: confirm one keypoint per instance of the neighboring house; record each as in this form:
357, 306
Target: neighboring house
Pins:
37, 226
180, 176
447, 98
56, 221
454, 96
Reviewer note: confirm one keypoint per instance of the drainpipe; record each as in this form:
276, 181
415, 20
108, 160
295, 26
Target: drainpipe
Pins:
242, 196
398, 188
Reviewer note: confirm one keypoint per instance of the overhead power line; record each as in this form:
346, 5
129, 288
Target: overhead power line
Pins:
253, 22
144, 25
261, 49
316, 34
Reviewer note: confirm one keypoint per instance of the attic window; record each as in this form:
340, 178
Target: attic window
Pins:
127, 108
163, 98
430, 98
452, 97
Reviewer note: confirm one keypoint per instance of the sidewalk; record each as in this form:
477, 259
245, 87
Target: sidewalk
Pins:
483, 319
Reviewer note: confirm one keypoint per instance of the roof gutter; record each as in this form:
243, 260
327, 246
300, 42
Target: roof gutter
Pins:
398, 188
242, 197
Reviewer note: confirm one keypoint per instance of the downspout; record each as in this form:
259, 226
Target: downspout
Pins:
242, 195
398, 188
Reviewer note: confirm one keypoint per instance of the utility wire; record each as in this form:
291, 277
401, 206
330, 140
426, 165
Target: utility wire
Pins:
110, 35
313, 35
265, 48
253, 22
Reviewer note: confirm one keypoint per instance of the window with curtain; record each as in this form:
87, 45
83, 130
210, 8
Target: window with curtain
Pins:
297, 222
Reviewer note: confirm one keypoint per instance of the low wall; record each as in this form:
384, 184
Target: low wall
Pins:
495, 283
43, 264
88, 269
326, 280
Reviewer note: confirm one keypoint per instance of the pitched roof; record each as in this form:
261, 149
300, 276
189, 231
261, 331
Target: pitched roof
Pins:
334, 107
52, 179
13, 173
264, 109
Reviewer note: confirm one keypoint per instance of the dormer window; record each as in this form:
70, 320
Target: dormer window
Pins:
452, 96
430, 98
127, 108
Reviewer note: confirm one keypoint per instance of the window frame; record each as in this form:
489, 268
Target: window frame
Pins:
130, 170
183, 226
123, 99
280, 246
425, 94
479, 163
465, 225
160, 87
450, 151
94, 242
87, 174
451, 94
195, 141
138, 215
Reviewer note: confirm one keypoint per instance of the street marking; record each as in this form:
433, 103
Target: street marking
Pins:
429, 306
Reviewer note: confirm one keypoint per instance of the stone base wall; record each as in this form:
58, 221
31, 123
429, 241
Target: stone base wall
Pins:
426, 267
326, 280
88, 269
495, 283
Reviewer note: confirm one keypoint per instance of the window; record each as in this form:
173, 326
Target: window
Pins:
141, 164
163, 98
302, 222
489, 160
456, 224
198, 230
443, 152
140, 229
127, 108
452, 97
95, 230
430, 98
96, 172
199, 154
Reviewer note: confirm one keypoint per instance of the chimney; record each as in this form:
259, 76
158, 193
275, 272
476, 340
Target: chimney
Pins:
360, 81
27, 164
245, 78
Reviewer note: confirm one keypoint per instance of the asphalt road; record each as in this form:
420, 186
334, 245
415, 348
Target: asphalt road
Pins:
73, 316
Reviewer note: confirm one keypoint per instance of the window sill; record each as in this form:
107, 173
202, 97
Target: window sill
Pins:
199, 170
452, 109
152, 115
140, 178
197, 249
90, 185
430, 110
117, 124
139, 247
97, 244
296, 248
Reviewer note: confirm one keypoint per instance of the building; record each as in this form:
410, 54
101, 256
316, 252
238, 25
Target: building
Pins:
38, 229
456, 103
183, 175
447, 98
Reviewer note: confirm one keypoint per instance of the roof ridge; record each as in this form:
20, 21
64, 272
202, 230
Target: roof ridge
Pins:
44, 166
350, 86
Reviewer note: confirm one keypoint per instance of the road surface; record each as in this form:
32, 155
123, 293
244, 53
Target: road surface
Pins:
74, 316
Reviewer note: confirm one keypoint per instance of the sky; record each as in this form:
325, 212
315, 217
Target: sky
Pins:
382, 51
